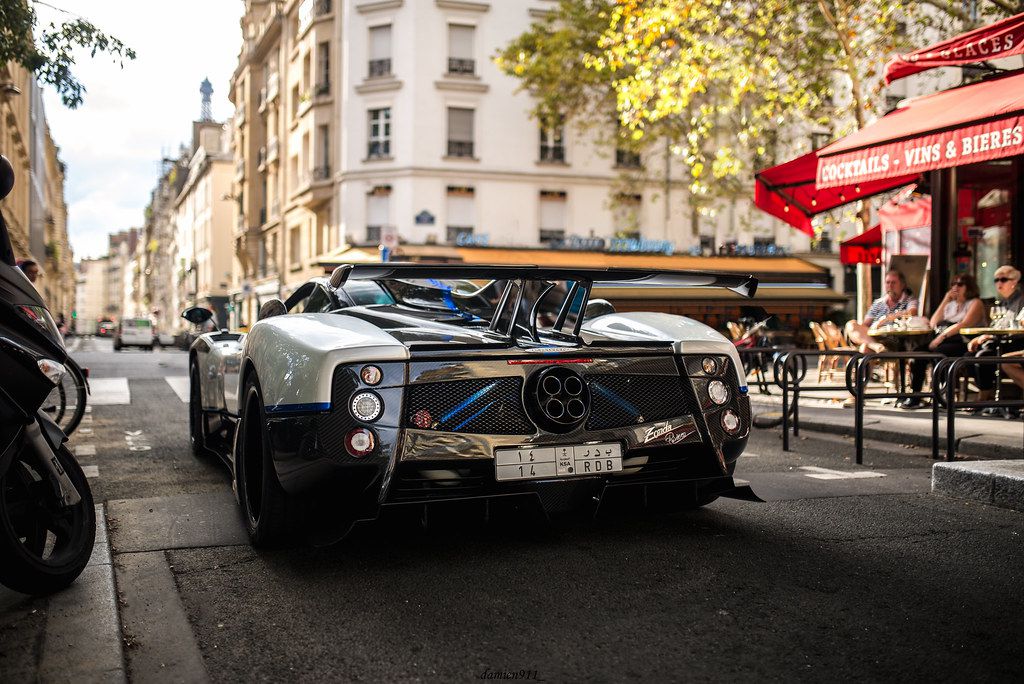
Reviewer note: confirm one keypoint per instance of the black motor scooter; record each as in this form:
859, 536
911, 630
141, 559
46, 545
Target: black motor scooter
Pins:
47, 517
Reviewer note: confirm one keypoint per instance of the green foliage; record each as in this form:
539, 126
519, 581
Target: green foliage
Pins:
724, 81
50, 55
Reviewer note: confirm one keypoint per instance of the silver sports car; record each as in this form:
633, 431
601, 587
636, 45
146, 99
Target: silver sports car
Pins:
422, 385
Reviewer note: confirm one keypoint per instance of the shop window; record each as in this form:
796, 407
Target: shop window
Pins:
986, 215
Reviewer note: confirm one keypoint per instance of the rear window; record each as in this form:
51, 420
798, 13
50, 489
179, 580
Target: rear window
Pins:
137, 323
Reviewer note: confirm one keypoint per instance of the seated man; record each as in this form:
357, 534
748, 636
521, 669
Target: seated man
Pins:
895, 303
1010, 303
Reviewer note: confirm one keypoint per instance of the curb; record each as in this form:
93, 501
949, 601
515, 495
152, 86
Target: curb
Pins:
997, 483
82, 641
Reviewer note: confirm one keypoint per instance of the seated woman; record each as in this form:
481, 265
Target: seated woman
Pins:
960, 308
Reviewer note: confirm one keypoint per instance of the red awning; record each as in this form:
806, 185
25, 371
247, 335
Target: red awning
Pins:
965, 125
865, 248
1002, 39
788, 192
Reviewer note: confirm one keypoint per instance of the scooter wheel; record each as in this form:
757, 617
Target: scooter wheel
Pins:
44, 545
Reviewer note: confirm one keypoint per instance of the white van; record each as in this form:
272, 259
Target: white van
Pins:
134, 332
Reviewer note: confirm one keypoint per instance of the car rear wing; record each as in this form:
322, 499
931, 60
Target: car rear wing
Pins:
744, 285
516, 312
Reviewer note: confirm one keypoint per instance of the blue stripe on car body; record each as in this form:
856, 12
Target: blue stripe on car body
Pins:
315, 407
469, 400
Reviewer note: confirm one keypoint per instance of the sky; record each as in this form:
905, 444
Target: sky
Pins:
132, 117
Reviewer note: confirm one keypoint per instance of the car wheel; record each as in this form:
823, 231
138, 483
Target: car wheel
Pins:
196, 419
117, 346
265, 509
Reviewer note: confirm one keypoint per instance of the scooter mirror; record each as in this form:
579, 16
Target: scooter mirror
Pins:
6, 177
197, 315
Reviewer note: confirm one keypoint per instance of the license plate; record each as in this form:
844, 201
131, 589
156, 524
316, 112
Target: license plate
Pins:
568, 460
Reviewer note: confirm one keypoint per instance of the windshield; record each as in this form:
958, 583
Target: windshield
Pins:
466, 298
477, 300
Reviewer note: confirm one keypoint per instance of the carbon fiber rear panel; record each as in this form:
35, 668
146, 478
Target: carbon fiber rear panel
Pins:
491, 406
621, 400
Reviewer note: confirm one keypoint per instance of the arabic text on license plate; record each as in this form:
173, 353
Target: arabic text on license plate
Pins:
566, 460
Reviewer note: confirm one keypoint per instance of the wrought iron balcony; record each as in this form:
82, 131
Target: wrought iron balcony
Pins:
378, 149
322, 89
380, 67
552, 153
459, 65
460, 148
322, 173
263, 215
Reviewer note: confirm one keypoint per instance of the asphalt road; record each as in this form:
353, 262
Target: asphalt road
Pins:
845, 571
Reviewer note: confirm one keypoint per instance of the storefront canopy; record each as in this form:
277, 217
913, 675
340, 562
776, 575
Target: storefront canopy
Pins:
865, 248
788, 191
974, 123
1002, 39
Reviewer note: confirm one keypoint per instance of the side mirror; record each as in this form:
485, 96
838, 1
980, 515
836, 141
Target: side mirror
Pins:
271, 308
6, 177
197, 315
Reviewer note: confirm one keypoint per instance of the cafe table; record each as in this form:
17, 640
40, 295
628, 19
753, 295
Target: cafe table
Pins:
1000, 335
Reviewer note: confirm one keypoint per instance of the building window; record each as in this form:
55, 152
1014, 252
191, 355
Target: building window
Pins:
378, 206
460, 49
626, 216
460, 132
380, 134
626, 158
552, 216
552, 144
294, 247
380, 51
461, 212
323, 69
323, 168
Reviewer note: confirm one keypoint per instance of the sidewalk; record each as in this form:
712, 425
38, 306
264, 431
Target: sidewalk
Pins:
977, 437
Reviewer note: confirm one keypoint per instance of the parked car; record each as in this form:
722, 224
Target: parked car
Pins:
134, 332
392, 385
106, 328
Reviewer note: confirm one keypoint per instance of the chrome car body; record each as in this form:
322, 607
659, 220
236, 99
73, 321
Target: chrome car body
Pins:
463, 373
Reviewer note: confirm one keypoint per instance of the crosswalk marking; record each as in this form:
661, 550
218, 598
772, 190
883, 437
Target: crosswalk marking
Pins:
178, 383
91, 471
109, 391
828, 474
85, 450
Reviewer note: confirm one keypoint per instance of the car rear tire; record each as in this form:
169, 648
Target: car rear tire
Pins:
265, 506
196, 419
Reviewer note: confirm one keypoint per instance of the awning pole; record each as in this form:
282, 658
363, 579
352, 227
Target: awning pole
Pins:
864, 270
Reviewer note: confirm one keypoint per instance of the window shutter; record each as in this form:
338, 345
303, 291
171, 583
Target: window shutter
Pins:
461, 211
460, 41
460, 124
380, 42
552, 213
377, 210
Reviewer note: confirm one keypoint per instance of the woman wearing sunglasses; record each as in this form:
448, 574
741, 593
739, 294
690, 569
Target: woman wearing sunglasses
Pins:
960, 308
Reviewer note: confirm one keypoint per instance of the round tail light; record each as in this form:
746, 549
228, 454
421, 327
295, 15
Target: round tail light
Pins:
730, 421
360, 442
